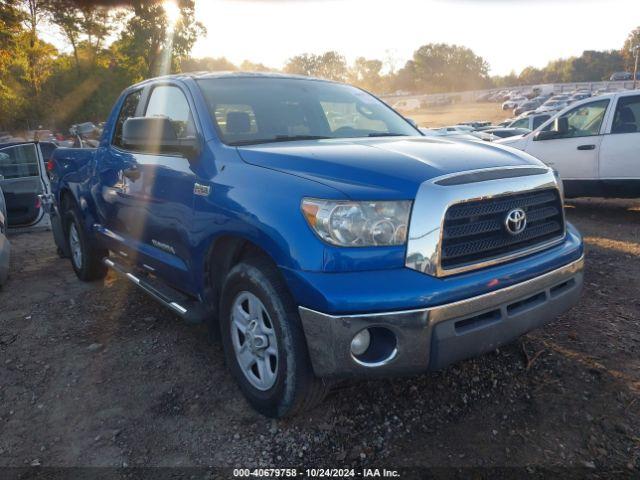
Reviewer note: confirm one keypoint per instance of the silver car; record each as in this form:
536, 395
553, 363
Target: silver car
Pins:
5, 247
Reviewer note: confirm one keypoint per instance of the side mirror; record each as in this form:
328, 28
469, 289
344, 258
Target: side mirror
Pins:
157, 135
545, 135
412, 122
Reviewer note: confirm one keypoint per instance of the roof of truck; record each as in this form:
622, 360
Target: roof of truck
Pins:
231, 74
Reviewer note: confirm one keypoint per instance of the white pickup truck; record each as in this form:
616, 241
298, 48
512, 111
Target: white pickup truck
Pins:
594, 145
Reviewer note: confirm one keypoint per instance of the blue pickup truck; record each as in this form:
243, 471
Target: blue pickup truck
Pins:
315, 230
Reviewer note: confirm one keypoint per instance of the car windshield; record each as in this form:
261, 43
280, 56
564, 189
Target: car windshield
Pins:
249, 110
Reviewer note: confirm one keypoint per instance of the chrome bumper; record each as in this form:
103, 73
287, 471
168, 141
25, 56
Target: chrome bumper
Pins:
431, 338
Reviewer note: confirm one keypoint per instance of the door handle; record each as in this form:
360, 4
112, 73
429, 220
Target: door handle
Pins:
586, 147
132, 173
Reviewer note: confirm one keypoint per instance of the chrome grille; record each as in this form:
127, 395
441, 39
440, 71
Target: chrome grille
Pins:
475, 231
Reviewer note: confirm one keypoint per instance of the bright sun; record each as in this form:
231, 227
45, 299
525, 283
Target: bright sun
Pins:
172, 11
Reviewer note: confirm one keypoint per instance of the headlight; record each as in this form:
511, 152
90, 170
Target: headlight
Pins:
358, 224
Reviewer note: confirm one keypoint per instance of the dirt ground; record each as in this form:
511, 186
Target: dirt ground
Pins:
442, 116
100, 375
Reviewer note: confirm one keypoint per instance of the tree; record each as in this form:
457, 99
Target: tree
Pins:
150, 45
441, 67
83, 22
593, 66
367, 74
628, 54
209, 64
37, 53
249, 66
330, 65
10, 28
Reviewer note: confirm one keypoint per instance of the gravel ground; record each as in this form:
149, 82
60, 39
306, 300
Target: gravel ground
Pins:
100, 375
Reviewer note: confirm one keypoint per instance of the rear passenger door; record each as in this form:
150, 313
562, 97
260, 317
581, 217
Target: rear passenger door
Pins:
23, 180
620, 150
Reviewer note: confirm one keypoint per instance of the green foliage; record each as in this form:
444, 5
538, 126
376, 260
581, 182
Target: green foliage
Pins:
42, 86
439, 67
628, 53
330, 65
151, 45
208, 64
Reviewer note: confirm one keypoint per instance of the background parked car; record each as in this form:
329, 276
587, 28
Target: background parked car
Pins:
620, 76
552, 106
513, 102
530, 122
526, 106
593, 145
5, 247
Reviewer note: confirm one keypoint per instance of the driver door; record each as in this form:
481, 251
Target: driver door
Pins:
574, 154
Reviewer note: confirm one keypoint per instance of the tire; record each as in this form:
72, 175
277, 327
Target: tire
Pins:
87, 259
289, 386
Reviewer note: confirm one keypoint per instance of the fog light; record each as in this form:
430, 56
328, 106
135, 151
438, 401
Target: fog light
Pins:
360, 342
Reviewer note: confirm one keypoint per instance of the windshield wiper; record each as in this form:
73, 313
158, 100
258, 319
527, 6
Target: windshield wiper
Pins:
279, 138
385, 134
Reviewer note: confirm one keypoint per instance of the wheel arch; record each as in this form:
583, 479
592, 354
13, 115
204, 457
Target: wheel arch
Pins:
224, 252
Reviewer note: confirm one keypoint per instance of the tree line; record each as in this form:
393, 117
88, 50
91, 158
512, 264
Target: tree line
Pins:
115, 43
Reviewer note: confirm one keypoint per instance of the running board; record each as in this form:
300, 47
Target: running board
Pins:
190, 310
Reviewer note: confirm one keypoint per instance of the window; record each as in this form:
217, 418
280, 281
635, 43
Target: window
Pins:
539, 120
522, 123
235, 118
585, 120
128, 110
251, 110
19, 161
350, 115
169, 101
627, 116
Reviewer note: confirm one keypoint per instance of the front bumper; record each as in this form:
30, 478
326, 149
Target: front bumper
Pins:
433, 337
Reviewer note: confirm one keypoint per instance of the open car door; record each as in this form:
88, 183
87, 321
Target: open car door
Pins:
23, 180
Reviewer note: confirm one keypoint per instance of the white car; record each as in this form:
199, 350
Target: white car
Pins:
514, 103
593, 144
552, 106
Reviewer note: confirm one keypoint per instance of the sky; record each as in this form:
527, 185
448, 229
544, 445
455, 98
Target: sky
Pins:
509, 34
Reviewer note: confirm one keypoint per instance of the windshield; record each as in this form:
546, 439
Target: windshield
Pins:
260, 110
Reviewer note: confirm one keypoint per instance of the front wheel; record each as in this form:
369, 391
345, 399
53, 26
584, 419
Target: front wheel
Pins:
264, 342
86, 259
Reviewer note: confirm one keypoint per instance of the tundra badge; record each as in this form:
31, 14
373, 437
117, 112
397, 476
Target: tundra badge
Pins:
202, 190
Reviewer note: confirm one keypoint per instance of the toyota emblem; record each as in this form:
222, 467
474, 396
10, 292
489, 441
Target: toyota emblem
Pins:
515, 221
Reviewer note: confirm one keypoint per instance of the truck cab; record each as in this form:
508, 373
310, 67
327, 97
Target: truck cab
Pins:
594, 145
315, 231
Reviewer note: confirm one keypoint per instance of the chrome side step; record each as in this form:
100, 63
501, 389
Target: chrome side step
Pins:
190, 310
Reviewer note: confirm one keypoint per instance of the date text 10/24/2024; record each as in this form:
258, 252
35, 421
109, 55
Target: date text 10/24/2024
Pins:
316, 473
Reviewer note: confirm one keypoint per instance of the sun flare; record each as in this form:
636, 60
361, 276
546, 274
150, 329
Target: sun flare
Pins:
172, 11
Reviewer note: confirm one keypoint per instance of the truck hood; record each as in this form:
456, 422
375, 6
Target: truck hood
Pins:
380, 168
